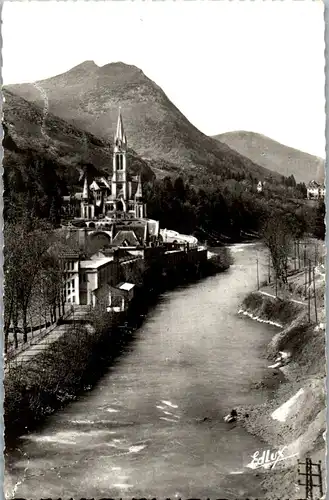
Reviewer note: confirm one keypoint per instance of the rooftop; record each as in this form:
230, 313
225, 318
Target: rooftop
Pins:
95, 264
125, 286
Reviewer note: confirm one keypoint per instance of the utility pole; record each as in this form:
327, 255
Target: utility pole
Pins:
315, 307
257, 275
309, 291
304, 254
269, 268
295, 255
276, 284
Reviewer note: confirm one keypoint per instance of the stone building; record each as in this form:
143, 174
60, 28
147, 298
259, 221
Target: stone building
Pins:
111, 211
119, 197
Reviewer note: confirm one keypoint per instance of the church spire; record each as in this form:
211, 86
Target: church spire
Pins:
120, 136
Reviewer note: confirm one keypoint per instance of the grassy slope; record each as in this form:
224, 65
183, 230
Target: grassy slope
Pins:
27, 128
275, 156
89, 96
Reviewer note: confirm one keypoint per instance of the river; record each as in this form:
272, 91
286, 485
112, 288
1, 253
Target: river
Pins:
153, 425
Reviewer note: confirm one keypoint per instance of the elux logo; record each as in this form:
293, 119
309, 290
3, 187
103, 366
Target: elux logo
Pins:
268, 459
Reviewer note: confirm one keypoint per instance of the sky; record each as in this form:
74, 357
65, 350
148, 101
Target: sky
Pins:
227, 65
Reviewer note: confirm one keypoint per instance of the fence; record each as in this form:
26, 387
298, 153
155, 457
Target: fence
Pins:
73, 315
313, 478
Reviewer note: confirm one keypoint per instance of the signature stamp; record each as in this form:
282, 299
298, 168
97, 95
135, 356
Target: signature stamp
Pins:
268, 458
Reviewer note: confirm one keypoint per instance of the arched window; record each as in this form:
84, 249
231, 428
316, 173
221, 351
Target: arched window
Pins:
119, 162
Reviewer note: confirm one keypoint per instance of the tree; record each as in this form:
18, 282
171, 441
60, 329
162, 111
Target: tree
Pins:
179, 189
278, 239
319, 221
26, 264
302, 189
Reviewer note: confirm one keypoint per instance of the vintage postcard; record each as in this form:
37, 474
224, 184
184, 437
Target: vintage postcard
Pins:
164, 258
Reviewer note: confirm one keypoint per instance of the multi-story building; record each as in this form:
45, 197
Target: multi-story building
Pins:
96, 274
96, 280
316, 191
70, 265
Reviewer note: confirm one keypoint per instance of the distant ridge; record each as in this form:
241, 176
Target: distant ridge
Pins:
88, 97
275, 156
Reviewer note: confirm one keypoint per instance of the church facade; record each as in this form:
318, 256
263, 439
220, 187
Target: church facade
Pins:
110, 211
119, 197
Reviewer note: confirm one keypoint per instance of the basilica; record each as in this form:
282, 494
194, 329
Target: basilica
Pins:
119, 197
112, 207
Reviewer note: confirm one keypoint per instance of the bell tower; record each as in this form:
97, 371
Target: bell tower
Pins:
119, 177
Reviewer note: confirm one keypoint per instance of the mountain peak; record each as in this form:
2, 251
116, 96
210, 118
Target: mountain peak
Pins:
119, 65
85, 65
88, 96
274, 156
122, 71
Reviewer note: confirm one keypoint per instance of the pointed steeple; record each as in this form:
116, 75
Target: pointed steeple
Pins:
120, 136
85, 192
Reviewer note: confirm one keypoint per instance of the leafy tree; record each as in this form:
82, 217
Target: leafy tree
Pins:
277, 236
33, 277
319, 221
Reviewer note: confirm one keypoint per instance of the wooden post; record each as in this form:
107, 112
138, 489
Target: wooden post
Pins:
269, 268
257, 275
315, 306
309, 272
309, 493
304, 254
276, 284
295, 255
298, 253
320, 479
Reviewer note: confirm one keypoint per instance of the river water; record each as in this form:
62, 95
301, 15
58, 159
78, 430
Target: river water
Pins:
153, 425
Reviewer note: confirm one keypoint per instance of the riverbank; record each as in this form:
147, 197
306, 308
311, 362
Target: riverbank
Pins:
295, 415
76, 361
160, 406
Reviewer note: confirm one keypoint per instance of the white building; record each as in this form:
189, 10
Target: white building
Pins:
316, 191
95, 275
86, 280
70, 266
170, 236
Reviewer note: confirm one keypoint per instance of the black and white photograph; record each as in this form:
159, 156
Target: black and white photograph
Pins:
164, 253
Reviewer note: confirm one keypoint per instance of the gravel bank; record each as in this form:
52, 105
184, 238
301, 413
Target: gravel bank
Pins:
295, 416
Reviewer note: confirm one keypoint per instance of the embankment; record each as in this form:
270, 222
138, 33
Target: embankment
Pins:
71, 365
295, 416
